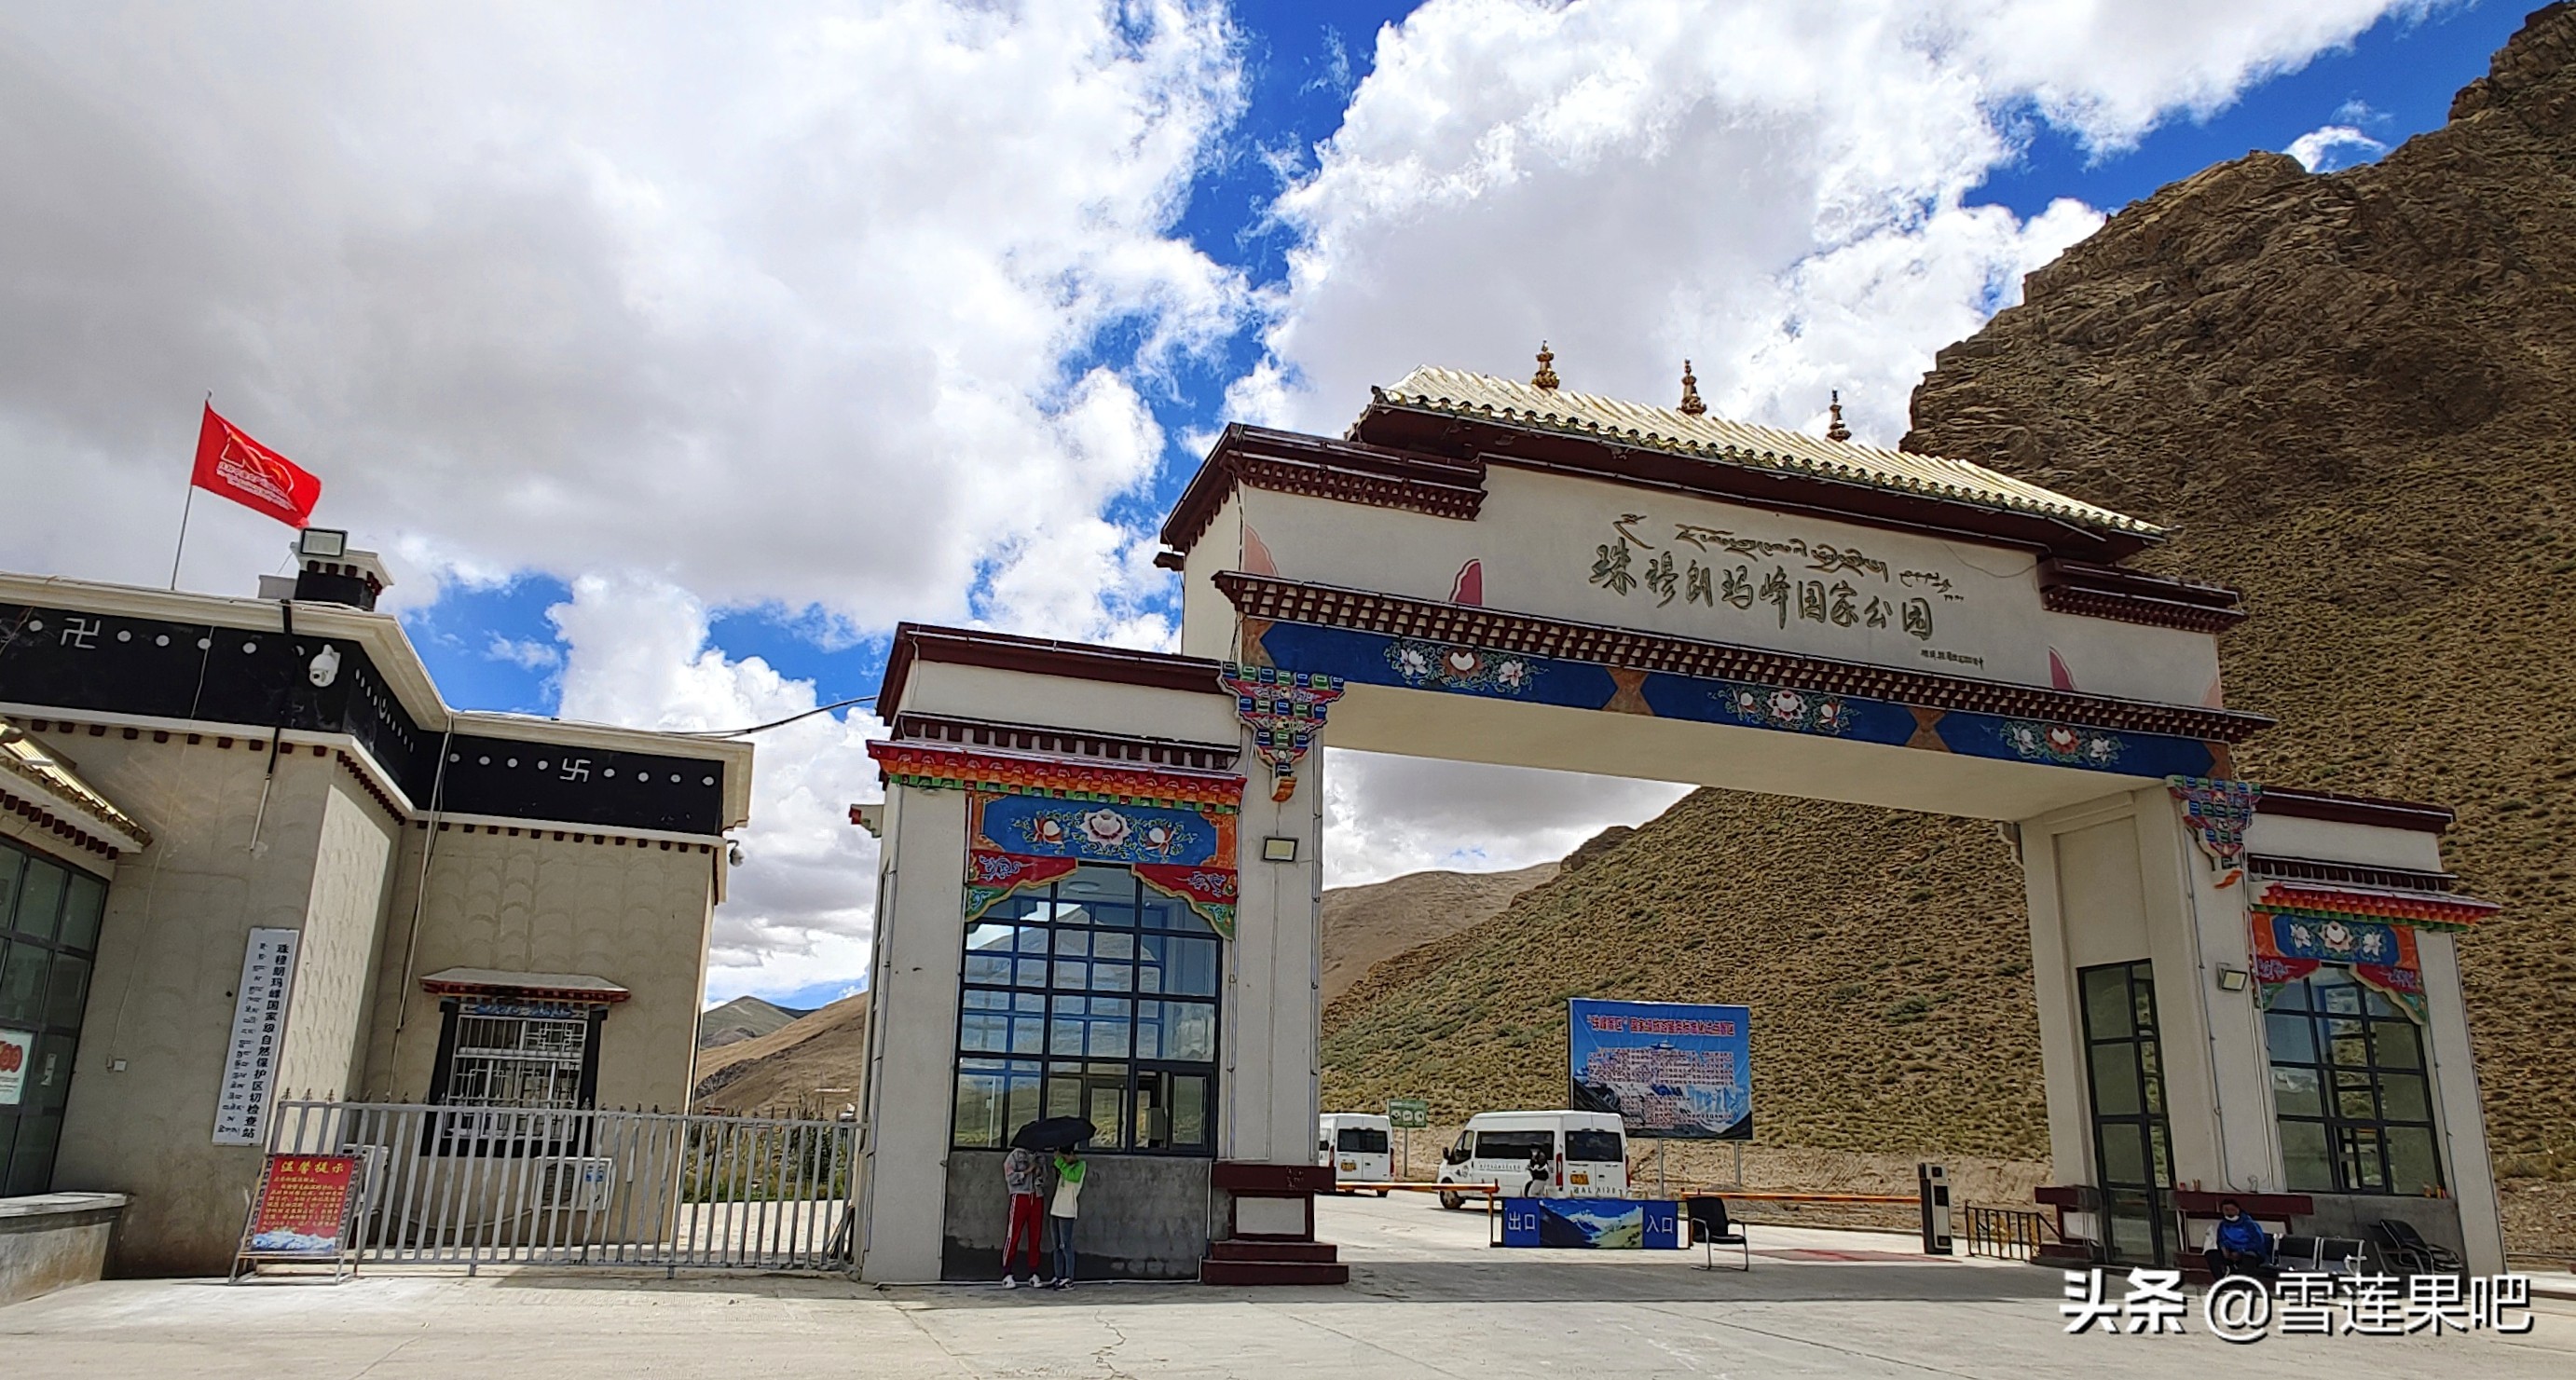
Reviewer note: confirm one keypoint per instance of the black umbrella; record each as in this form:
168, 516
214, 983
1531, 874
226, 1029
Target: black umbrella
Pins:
1053, 1133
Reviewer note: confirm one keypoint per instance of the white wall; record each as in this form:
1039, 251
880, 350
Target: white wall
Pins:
1537, 536
912, 1031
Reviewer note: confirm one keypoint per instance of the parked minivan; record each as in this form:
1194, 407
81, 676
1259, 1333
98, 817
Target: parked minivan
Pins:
1587, 1155
1355, 1145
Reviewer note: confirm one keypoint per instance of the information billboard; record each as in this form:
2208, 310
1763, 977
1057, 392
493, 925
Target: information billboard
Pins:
1673, 1070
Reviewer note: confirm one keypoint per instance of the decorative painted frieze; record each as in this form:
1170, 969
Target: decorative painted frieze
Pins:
2219, 810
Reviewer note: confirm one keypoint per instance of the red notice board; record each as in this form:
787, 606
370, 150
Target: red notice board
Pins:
302, 1212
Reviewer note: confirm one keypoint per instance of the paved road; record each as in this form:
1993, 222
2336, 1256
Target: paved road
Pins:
1427, 1299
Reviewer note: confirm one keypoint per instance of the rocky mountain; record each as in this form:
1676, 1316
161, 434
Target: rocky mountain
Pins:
2352, 396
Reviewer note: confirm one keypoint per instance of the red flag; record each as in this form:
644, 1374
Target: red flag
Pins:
250, 474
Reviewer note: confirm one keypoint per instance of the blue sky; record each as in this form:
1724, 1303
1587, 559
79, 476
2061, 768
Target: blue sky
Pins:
1302, 62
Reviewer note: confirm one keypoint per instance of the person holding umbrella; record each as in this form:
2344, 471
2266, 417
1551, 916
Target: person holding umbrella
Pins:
1069, 1174
1062, 1135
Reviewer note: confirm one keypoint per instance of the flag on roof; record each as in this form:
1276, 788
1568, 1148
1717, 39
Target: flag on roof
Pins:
230, 463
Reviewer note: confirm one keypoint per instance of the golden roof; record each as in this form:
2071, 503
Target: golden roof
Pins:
1713, 438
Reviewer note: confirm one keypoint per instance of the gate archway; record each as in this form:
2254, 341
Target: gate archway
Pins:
1099, 882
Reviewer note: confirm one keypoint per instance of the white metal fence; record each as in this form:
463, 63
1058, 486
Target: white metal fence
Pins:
474, 1186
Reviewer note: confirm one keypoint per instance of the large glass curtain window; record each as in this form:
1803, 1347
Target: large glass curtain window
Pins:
1093, 997
2350, 1089
49, 918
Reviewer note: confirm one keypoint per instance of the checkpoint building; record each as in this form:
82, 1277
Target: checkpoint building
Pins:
247, 851
1100, 874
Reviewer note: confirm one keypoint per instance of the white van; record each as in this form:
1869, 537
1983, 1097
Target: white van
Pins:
1586, 1155
1355, 1145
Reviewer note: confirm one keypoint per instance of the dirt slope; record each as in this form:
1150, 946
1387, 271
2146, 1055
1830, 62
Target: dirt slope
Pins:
742, 1018
790, 1066
1365, 925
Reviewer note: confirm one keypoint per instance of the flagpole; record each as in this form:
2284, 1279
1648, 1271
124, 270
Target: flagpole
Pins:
184, 510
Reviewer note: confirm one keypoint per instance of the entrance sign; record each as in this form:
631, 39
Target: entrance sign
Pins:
303, 1210
1593, 1224
1408, 1113
17, 1051
1671, 1070
259, 1032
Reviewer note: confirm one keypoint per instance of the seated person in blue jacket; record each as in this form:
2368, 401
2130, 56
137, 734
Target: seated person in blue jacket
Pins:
2238, 1245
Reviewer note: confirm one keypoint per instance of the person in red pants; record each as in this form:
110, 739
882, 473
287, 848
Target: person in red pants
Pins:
1022, 1176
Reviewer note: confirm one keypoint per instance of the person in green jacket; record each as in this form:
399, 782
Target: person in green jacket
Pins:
1069, 1173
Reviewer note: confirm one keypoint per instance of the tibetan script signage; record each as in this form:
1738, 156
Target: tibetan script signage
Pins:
259, 1034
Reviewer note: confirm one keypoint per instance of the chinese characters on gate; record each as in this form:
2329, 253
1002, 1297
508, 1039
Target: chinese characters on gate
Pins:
2242, 1308
1836, 586
259, 1027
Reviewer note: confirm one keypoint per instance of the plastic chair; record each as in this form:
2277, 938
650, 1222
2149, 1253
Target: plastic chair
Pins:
1710, 1227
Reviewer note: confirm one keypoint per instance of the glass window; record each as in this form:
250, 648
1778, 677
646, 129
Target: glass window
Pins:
1514, 1145
49, 922
2132, 1148
40, 898
1360, 1140
2349, 1089
1589, 1147
517, 1061
1079, 978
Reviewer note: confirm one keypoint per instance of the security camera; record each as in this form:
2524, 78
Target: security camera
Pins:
733, 854
326, 666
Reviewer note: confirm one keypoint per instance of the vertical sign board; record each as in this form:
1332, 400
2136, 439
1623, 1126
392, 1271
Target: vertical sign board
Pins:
259, 1032
17, 1051
1673, 1071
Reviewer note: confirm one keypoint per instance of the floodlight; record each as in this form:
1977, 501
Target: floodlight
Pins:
322, 543
1277, 849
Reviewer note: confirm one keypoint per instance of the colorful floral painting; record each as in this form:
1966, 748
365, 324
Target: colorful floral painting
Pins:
1089, 831
2288, 947
2064, 744
1433, 666
1798, 711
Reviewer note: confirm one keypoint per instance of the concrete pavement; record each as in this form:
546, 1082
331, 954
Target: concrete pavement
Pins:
1427, 1298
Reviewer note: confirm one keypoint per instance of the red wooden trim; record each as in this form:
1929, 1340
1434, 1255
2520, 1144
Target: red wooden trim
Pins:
1290, 601
1055, 775
1037, 656
594, 995
2130, 596
986, 735
2354, 809
1290, 462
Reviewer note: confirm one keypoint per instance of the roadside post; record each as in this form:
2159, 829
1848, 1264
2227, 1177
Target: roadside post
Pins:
1407, 1114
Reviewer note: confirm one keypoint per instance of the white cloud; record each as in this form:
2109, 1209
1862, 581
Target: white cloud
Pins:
1385, 816
1775, 191
779, 303
801, 906
2329, 147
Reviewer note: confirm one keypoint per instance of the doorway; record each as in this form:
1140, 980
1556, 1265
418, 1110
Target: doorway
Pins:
2132, 1147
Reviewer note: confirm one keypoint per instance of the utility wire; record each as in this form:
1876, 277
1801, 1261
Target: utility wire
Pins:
775, 723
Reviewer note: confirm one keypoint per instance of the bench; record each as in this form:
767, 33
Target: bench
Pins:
2277, 1213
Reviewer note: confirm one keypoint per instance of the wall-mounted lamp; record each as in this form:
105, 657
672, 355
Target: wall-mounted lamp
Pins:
1277, 849
322, 543
2230, 979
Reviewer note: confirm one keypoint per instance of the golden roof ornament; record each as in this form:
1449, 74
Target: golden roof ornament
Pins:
1837, 431
1691, 405
1546, 375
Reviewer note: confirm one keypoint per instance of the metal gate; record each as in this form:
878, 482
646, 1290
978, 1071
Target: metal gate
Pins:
474, 1186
